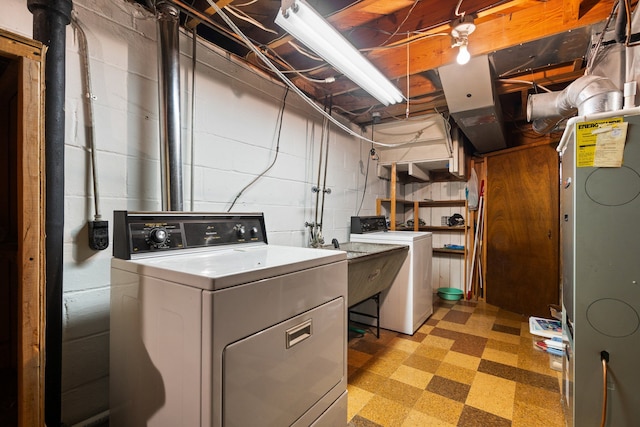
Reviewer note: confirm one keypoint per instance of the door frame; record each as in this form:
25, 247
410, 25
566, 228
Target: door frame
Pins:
30, 254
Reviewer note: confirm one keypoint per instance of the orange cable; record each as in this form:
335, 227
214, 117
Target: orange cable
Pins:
604, 392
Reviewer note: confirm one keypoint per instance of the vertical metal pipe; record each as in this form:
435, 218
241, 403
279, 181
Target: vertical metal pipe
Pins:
169, 98
50, 18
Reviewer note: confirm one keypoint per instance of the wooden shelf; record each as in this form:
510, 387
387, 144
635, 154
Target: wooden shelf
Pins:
393, 206
440, 203
441, 228
448, 251
397, 201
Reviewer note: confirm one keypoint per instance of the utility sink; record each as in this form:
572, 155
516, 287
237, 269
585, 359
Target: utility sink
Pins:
372, 267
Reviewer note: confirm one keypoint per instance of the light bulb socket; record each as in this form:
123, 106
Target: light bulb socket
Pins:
462, 27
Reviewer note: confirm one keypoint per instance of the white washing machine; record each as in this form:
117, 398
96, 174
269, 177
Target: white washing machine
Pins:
211, 326
408, 302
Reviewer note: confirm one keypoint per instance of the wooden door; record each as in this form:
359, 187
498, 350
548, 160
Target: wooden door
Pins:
522, 241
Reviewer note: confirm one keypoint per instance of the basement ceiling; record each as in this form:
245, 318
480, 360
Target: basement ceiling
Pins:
528, 43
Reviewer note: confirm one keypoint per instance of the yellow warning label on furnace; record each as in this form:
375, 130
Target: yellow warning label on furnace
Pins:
600, 143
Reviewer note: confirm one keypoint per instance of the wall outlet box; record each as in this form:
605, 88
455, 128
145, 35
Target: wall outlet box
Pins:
98, 235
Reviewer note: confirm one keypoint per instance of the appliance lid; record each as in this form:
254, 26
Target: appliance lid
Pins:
222, 268
391, 236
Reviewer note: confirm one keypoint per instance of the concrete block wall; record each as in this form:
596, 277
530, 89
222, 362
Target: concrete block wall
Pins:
234, 139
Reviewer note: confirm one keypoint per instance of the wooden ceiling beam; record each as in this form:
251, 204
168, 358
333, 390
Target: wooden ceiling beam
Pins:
209, 11
571, 10
532, 23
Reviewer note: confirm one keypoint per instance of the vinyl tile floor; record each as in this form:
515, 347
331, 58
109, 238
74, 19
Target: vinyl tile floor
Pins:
469, 364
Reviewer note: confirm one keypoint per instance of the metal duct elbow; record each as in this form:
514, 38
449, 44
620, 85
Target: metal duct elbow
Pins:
588, 94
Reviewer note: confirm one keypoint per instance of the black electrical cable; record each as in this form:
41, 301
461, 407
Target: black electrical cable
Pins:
284, 103
366, 175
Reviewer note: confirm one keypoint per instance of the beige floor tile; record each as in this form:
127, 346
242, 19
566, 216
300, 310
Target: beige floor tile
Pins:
404, 345
425, 329
487, 309
412, 376
400, 392
357, 399
462, 360
439, 342
384, 411
526, 415
366, 380
439, 407
538, 397
382, 366
503, 357
482, 316
418, 419
456, 373
439, 313
492, 394
436, 353
390, 388
480, 330
457, 327
536, 361
393, 354
465, 308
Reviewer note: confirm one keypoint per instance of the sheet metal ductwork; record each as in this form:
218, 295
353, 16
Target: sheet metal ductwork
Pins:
586, 95
473, 102
169, 109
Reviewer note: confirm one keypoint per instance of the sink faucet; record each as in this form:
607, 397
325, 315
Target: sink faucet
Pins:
336, 244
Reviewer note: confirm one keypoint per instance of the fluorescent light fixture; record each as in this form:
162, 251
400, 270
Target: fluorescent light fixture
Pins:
306, 25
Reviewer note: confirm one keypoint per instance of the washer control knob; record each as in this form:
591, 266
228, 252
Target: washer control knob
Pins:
158, 236
240, 231
254, 232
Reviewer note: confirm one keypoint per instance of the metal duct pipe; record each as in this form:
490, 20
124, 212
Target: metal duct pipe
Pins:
169, 98
50, 18
588, 95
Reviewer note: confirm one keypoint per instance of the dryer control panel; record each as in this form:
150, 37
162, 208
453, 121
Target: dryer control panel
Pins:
149, 232
368, 224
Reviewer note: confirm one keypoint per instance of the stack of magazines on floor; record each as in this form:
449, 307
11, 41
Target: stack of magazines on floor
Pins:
548, 337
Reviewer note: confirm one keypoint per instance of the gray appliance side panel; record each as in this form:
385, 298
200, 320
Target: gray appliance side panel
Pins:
155, 352
567, 227
607, 286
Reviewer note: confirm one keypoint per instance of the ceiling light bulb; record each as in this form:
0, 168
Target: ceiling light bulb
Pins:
463, 55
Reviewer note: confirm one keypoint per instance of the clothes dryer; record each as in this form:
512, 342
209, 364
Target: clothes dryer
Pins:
211, 326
